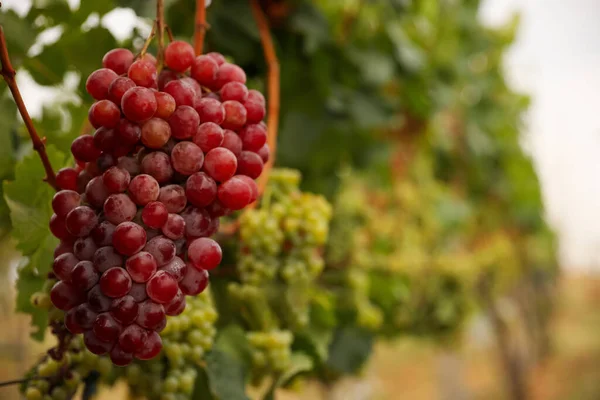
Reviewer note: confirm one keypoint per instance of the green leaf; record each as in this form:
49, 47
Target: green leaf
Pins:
226, 376
349, 350
31, 278
29, 200
20, 35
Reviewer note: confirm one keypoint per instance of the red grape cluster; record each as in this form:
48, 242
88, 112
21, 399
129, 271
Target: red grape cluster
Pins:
172, 152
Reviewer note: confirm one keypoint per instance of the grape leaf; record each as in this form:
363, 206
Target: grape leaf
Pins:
29, 201
349, 350
226, 376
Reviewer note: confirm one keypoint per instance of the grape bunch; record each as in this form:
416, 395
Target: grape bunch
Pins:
172, 153
186, 339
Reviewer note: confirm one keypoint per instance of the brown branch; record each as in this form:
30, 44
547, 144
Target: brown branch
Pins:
8, 73
149, 39
272, 88
200, 26
24, 380
160, 24
169, 33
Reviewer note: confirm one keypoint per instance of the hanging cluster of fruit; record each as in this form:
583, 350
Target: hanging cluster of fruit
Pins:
173, 151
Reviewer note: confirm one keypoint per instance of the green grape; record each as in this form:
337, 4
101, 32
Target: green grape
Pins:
33, 393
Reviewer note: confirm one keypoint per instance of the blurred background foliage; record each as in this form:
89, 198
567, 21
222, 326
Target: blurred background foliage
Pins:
397, 111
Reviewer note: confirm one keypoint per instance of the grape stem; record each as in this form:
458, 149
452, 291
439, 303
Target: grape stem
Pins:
24, 380
160, 24
169, 33
200, 26
149, 39
273, 90
8, 73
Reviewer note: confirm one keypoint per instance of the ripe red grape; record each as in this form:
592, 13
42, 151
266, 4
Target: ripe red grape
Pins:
66, 178
200, 189
105, 139
204, 253
120, 357
204, 70
162, 287
98, 82
96, 345
177, 305
124, 309
210, 110
116, 179
255, 111
183, 93
194, 281
58, 227
84, 149
162, 249
197, 221
235, 115
253, 137
106, 328
229, 73
81, 220
250, 164
208, 136
151, 315
84, 248
151, 348
143, 189
179, 55
232, 142
104, 113
119, 60
119, 208
117, 89
132, 338
165, 76
220, 163
264, 153
129, 132
176, 268
234, 91
173, 197
84, 275
129, 238
184, 122
158, 165
141, 266
156, 133
174, 228
165, 105
97, 300
115, 282
139, 104
235, 194
63, 266
187, 158
155, 214
64, 201
106, 257
65, 296
143, 73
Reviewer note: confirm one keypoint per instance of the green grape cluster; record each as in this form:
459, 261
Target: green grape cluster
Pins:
59, 379
271, 349
186, 339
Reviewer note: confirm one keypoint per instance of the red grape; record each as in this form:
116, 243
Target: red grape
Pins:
204, 70
179, 55
104, 113
232, 142
173, 197
210, 110
174, 228
124, 309
156, 133
97, 300
132, 338
65, 296
106, 328
117, 89
158, 165
98, 82
105, 258
129, 238
235, 115
151, 348
204, 253
235, 194
220, 163
141, 266
128, 132
187, 158
234, 91
183, 93
81, 220
200, 189
96, 345
84, 248
229, 73
143, 73
119, 60
139, 104
63, 266
66, 178
84, 149
250, 164
151, 315
184, 122
64, 201
165, 105
115, 282
155, 214
162, 249
143, 189
105, 139
177, 305
120, 357
116, 179
84, 275
253, 137
162, 287
119, 208
194, 281
208, 136
176, 268
197, 221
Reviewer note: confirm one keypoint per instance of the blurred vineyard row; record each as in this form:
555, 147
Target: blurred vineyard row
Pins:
397, 113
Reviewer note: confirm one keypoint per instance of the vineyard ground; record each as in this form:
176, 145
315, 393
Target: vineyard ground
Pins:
418, 370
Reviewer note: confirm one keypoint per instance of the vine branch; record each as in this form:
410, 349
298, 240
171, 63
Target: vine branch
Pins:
160, 25
200, 26
23, 380
272, 89
8, 73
